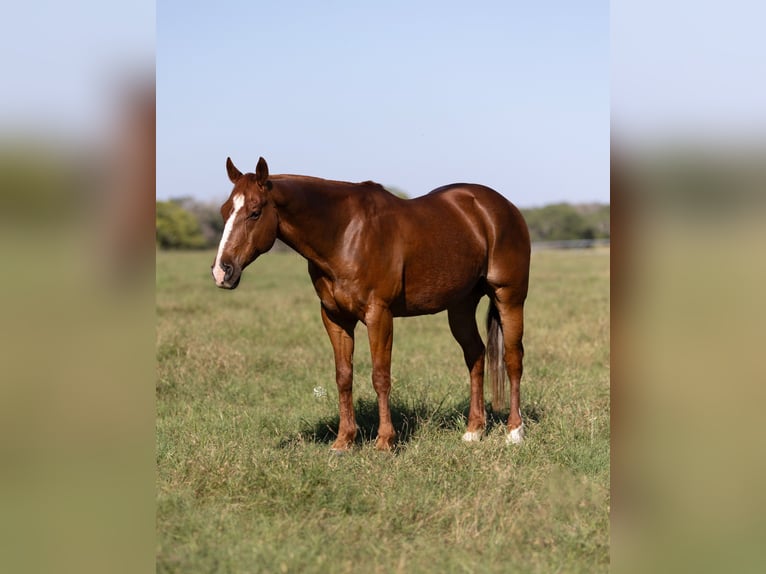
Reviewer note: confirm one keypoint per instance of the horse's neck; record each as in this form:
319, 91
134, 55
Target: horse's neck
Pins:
310, 217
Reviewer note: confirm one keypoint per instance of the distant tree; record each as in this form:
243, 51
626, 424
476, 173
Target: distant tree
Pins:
207, 214
598, 219
177, 228
210, 221
563, 221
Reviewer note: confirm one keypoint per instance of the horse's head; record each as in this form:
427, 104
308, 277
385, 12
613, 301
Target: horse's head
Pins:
251, 224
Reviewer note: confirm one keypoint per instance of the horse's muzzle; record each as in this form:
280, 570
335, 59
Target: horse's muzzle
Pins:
230, 278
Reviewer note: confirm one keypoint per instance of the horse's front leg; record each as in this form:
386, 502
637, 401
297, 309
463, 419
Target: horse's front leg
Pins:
341, 334
380, 329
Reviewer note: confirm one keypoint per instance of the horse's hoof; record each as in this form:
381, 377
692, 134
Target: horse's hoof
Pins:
516, 436
472, 436
341, 448
384, 445
339, 451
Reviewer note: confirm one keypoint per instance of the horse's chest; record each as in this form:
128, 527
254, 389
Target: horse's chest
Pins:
339, 296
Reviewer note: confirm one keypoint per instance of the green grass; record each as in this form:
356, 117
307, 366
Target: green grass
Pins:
246, 482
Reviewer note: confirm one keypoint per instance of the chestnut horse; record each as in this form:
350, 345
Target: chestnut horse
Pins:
373, 256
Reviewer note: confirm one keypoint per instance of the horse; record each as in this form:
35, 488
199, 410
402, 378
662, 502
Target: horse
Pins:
373, 256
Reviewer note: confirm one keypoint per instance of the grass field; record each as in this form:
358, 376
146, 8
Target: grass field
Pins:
246, 482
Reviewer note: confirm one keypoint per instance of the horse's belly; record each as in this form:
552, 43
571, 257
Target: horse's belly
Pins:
435, 289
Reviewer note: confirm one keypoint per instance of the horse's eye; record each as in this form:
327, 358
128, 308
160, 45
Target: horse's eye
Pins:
255, 214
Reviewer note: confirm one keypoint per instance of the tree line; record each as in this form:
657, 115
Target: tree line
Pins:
566, 221
186, 223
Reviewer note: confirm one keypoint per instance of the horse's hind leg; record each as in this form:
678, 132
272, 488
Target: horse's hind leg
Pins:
512, 319
462, 323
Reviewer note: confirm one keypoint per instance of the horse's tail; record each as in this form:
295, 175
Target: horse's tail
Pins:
496, 358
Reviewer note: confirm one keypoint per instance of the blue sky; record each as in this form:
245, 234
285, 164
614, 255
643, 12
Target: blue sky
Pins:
410, 94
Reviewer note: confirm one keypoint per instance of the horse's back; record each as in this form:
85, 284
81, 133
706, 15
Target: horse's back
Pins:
502, 222
474, 195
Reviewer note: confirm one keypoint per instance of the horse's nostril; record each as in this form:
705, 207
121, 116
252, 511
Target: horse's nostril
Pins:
228, 270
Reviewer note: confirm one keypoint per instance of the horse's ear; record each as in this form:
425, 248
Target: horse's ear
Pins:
234, 173
261, 172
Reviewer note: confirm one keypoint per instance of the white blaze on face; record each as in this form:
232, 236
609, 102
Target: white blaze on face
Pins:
238, 201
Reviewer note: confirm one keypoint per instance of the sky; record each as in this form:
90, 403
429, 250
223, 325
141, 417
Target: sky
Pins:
414, 95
